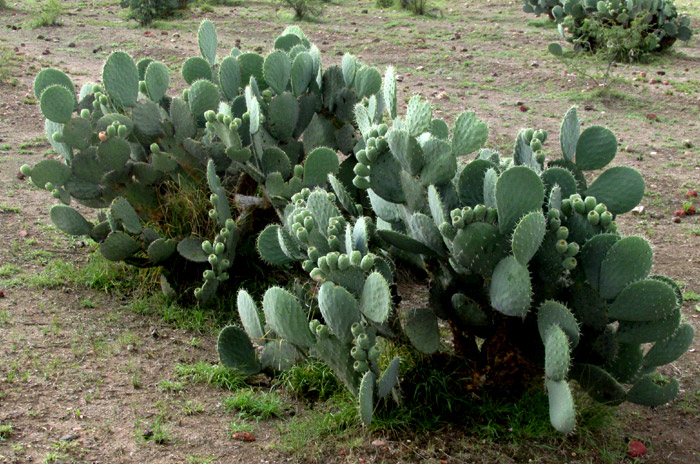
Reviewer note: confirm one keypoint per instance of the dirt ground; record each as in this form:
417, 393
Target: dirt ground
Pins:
81, 375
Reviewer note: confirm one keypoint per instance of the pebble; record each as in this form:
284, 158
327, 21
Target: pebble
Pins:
636, 448
69, 437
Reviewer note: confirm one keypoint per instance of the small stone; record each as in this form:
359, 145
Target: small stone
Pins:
365, 11
243, 436
666, 82
420, 68
638, 210
40, 37
643, 74
687, 143
636, 448
652, 117
21, 176
676, 219
661, 73
2, 294
375, 40
379, 443
71, 45
523, 108
442, 96
69, 437
46, 52
654, 81
534, 64
589, 107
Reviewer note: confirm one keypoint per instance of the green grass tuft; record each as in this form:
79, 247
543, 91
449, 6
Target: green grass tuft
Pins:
215, 375
252, 404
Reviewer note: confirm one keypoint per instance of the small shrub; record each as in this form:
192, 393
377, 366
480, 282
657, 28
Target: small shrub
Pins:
384, 3
147, 11
50, 14
304, 8
255, 405
311, 381
415, 6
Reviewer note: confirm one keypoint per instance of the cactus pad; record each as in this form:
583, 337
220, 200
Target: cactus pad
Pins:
236, 351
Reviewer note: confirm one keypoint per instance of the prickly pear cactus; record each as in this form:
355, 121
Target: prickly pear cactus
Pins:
249, 132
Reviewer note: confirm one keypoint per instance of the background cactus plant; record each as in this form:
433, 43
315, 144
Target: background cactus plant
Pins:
249, 132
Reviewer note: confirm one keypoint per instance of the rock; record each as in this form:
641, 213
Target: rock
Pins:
636, 448
420, 68
68, 437
379, 443
46, 52
71, 45
687, 143
638, 210
652, 117
523, 108
243, 436
365, 11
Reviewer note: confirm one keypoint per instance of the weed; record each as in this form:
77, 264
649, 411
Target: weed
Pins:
691, 296
255, 405
6, 431
10, 209
192, 459
304, 8
211, 374
190, 408
311, 381
241, 426
170, 386
50, 12
8, 270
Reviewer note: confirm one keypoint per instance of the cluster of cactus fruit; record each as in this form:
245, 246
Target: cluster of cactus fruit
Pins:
512, 245
256, 128
579, 21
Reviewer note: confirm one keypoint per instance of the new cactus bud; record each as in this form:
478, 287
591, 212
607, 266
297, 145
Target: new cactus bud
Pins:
213, 214
447, 230
358, 353
356, 329
111, 131
579, 206
458, 222
600, 208
566, 206
362, 341
593, 218
223, 277
316, 274
308, 223
572, 249
606, 218
553, 214
468, 215
334, 242
85, 113
491, 215
302, 235
563, 233
219, 248
155, 148
209, 274
246, 116
313, 253
214, 198
305, 192
104, 100
540, 157
382, 129
561, 246
237, 122
372, 155
382, 144
220, 117
307, 265
374, 133
331, 197
228, 120
198, 293
26, 170
96, 104
361, 183
367, 263
554, 224
298, 171
569, 263
371, 143
373, 354
343, 262
230, 224
97, 88
48, 186
355, 258
142, 87
122, 131
590, 203
332, 259
213, 259
323, 331
362, 157
360, 367
528, 134
535, 145
56, 193
361, 170
479, 212
540, 135
322, 263
313, 324
58, 137
612, 228
225, 264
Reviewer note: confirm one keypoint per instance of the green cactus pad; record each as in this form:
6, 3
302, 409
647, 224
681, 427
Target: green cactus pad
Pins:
385, 180
419, 114
342, 195
207, 41
421, 327
561, 177
77, 133
511, 288
48, 77
287, 41
648, 393
668, 350
592, 255
468, 134
644, 300
284, 314
337, 355
157, 80
621, 189
425, 231
349, 68
250, 317
121, 79
57, 103
182, 119
375, 301
490, 180
160, 250
275, 160
440, 165
439, 129
50, 171
406, 150
302, 73
627, 260
236, 351
69, 220
557, 353
366, 397
519, 190
561, 406
437, 210
320, 162
283, 114
598, 383
648, 331
50, 128
389, 378
196, 68
389, 91
191, 249
204, 96
252, 66
404, 242
124, 212
528, 236
478, 247
230, 77
368, 82
114, 153
118, 246
277, 70
319, 133
553, 313
385, 210
339, 309
279, 355
625, 367
470, 185
595, 148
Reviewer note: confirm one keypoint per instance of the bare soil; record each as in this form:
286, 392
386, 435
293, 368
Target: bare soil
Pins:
79, 373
